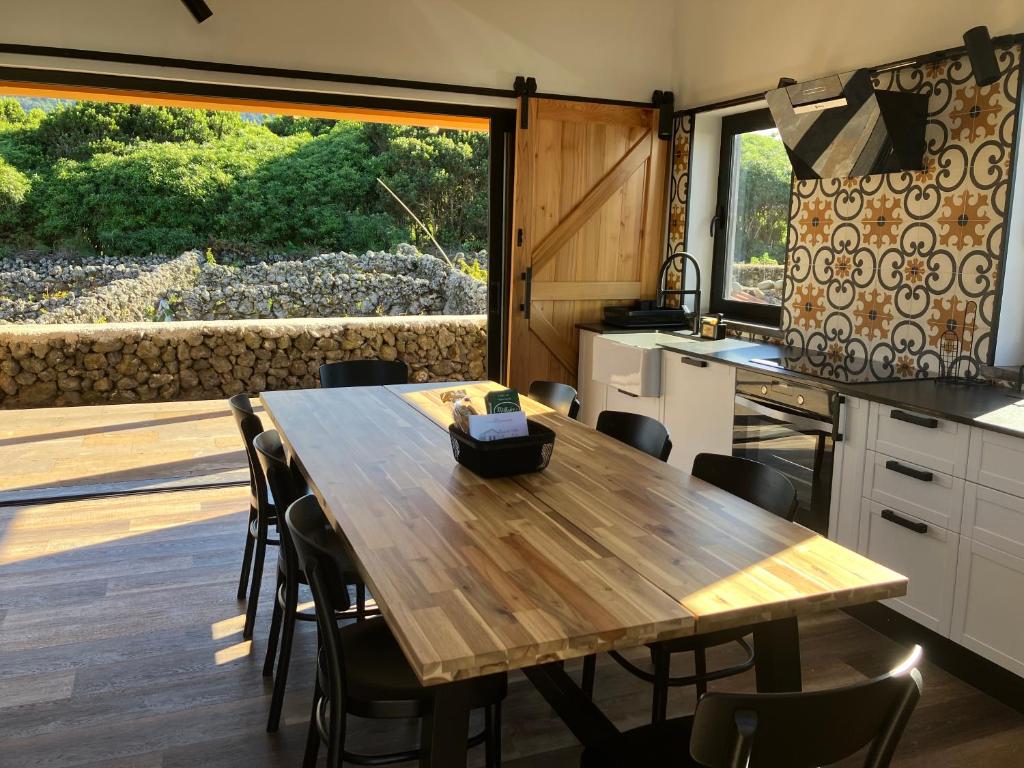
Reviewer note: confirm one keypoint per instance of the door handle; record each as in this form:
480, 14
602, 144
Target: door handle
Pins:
903, 469
691, 361
717, 221
628, 394
910, 525
910, 418
525, 306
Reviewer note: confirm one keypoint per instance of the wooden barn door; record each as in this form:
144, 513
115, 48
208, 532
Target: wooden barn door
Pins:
588, 227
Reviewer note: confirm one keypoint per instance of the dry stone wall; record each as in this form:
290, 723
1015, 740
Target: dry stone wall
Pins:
61, 365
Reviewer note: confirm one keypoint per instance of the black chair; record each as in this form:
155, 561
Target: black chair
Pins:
556, 396
642, 432
287, 485
750, 480
363, 373
796, 730
361, 669
262, 512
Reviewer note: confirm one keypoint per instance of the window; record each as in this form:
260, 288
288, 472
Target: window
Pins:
752, 219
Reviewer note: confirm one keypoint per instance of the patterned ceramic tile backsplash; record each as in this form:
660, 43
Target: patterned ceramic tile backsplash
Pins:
902, 269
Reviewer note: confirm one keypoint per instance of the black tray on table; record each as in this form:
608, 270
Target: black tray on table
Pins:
501, 458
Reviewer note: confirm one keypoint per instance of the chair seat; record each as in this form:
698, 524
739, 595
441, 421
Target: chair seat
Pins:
652, 746
380, 682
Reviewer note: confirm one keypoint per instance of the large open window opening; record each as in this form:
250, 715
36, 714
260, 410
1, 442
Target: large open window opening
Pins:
137, 205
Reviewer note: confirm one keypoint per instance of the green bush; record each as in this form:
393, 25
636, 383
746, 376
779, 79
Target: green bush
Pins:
81, 129
127, 179
322, 194
14, 187
149, 198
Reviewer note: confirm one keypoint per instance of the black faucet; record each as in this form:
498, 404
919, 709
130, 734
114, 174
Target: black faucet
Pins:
679, 260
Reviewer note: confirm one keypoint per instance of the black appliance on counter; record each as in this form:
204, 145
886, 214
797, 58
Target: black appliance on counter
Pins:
793, 427
658, 313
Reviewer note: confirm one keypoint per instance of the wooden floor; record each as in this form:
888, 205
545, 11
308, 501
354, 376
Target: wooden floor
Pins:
62, 452
120, 644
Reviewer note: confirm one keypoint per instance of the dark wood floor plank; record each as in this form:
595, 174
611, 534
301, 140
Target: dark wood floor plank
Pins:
149, 671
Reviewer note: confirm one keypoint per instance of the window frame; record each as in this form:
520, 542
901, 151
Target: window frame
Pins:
760, 314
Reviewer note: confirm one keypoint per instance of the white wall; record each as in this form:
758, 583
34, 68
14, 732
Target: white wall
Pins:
730, 48
583, 47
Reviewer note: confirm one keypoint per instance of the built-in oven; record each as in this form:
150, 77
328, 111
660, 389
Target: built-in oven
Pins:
793, 427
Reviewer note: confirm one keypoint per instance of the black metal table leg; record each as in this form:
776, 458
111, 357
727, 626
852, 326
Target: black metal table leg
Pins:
777, 656
580, 715
446, 728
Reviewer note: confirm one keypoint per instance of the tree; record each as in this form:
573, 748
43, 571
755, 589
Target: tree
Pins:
287, 125
441, 175
764, 193
14, 187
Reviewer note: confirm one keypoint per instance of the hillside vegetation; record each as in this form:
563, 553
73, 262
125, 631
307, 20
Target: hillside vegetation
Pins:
129, 180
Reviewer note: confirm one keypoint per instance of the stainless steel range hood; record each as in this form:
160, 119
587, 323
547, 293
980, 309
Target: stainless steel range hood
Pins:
841, 126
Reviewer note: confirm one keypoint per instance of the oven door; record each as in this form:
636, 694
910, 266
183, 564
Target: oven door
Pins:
800, 445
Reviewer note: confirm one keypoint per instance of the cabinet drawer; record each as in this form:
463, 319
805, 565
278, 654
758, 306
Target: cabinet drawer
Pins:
994, 518
933, 443
926, 557
935, 497
617, 400
997, 461
988, 613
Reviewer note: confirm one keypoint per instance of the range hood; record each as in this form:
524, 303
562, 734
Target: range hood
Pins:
841, 126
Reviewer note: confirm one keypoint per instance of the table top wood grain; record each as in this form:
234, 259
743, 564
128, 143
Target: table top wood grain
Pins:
607, 548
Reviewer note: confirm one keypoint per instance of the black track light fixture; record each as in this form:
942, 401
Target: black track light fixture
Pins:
982, 54
199, 9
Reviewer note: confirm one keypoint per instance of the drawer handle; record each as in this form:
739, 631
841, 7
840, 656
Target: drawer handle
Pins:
910, 418
628, 394
910, 525
694, 363
903, 469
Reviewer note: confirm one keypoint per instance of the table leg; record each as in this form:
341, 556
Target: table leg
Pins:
777, 656
446, 728
581, 715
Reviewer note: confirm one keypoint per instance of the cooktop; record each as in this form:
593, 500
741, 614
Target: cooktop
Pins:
844, 368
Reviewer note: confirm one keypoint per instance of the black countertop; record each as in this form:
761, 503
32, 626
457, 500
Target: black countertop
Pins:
981, 405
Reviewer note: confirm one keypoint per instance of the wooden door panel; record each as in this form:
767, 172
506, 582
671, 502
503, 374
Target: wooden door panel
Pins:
590, 204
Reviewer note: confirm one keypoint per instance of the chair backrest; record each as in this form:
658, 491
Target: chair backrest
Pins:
285, 487
557, 396
642, 432
363, 373
800, 730
750, 480
315, 542
250, 426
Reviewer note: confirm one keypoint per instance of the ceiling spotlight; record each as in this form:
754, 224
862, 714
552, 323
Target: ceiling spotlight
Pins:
199, 9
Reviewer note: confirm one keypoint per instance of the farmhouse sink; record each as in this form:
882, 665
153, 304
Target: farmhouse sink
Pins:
630, 362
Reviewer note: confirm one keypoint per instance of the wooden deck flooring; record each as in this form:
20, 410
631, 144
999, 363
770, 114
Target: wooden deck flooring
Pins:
68, 452
120, 638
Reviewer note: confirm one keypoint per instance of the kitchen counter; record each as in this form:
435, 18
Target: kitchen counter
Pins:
990, 407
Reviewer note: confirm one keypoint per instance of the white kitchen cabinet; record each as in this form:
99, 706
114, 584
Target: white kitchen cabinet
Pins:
935, 497
591, 393
994, 518
698, 400
997, 461
848, 473
926, 556
620, 400
988, 613
938, 444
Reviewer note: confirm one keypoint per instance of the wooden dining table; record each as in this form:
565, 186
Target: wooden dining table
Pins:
605, 549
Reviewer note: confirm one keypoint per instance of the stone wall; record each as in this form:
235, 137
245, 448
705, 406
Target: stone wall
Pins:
59, 365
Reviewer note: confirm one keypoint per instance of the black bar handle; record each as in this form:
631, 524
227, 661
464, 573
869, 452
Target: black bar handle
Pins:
910, 418
527, 277
628, 394
693, 362
903, 469
910, 525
